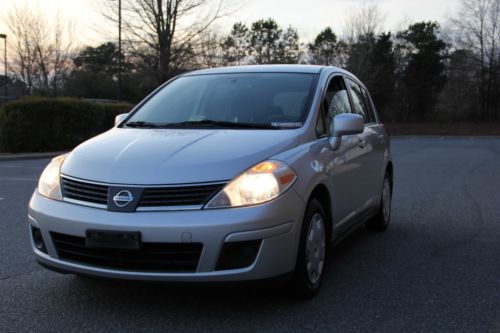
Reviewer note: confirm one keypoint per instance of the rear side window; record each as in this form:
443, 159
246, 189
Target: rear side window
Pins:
335, 102
359, 102
371, 112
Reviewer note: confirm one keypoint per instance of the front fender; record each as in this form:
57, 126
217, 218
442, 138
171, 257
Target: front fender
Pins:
313, 164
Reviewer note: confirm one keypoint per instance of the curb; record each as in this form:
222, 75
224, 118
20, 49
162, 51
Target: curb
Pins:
29, 156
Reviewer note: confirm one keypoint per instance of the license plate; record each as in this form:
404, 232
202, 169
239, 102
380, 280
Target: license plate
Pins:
113, 239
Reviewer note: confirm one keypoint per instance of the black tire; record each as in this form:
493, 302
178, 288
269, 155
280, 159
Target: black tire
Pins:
380, 222
304, 286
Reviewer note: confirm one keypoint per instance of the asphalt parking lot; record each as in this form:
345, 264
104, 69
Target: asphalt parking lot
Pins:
437, 269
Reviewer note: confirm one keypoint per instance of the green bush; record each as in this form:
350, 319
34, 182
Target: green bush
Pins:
39, 124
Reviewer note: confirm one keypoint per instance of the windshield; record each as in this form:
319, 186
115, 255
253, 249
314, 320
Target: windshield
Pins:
275, 100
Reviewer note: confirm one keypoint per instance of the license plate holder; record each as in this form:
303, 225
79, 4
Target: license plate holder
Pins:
126, 240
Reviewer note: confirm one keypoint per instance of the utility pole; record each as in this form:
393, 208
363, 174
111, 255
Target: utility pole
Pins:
119, 50
4, 36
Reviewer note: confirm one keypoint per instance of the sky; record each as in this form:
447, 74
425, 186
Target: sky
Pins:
308, 16
312, 16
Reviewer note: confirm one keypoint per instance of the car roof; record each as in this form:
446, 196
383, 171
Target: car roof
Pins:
304, 69
307, 69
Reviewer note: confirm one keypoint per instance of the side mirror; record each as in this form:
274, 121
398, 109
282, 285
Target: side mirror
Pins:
345, 124
119, 118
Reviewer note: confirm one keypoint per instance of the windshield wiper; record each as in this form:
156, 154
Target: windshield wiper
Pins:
142, 124
216, 123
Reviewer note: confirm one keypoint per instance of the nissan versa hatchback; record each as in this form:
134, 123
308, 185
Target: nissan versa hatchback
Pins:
228, 174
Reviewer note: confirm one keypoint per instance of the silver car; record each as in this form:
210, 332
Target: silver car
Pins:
226, 174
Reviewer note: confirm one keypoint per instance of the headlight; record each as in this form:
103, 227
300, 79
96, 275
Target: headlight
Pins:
261, 183
49, 183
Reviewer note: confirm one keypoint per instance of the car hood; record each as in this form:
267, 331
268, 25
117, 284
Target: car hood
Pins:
174, 156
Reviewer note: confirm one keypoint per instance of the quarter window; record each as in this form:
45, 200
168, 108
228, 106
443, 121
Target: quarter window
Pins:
359, 102
371, 112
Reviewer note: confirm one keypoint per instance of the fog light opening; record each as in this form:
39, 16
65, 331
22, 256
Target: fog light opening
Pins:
236, 255
38, 239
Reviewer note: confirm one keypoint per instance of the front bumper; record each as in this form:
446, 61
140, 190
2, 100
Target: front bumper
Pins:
276, 223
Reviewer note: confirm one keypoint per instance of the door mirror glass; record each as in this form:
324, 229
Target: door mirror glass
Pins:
119, 118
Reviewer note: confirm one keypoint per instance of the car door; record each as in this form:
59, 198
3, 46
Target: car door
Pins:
345, 162
371, 158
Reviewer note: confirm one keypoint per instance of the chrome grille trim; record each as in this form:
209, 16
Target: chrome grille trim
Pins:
171, 197
168, 208
85, 203
83, 191
192, 195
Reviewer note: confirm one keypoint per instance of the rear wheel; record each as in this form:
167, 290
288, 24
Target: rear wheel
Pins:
381, 221
312, 251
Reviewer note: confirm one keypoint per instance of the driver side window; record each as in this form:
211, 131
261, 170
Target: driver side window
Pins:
336, 101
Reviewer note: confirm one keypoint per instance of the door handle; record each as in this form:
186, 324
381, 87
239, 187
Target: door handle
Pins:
381, 137
362, 143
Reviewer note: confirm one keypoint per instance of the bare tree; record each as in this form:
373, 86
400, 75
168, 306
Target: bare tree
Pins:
360, 31
61, 52
209, 49
168, 27
41, 50
366, 20
478, 30
19, 22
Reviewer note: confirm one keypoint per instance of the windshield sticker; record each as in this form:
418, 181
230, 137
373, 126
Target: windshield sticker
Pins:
287, 125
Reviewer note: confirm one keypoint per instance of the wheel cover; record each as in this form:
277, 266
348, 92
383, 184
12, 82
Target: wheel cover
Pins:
315, 248
386, 201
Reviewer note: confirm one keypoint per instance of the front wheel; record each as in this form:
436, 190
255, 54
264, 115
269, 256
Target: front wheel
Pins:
381, 221
312, 251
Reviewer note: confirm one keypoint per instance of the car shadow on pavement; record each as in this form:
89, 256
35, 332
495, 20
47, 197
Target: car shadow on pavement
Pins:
271, 292
373, 282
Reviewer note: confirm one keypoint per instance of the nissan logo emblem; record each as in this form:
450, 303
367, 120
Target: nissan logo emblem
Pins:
123, 198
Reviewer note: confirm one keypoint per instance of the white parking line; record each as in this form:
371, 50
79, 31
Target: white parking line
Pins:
19, 179
11, 166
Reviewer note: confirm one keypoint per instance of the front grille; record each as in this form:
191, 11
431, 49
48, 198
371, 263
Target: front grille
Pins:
188, 195
83, 191
152, 257
178, 196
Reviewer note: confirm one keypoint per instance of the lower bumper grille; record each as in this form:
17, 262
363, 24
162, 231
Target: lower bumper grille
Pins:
152, 257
